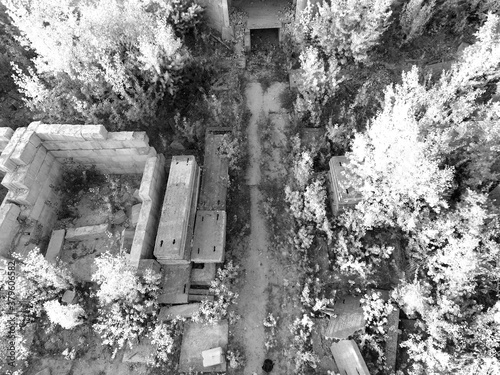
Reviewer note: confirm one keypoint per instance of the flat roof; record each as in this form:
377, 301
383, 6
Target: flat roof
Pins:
175, 213
349, 318
197, 338
348, 358
215, 177
209, 237
175, 283
203, 275
342, 186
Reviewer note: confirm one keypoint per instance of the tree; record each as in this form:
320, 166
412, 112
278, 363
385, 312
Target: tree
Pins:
35, 282
317, 83
414, 17
423, 168
28, 282
127, 301
398, 172
405, 163
103, 61
346, 29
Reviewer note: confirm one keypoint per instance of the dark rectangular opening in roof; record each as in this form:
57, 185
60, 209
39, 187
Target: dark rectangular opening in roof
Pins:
264, 39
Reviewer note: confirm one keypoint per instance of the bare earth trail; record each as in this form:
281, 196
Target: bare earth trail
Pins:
258, 274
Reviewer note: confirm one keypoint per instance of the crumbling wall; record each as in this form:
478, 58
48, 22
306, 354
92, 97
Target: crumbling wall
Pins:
151, 195
217, 15
110, 152
32, 160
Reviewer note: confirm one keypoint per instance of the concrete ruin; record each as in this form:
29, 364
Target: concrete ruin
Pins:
209, 237
265, 14
32, 160
198, 338
175, 230
348, 358
215, 178
343, 194
349, 318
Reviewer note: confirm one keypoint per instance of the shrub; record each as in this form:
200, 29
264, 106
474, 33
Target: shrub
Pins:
110, 61
316, 84
236, 359
304, 356
127, 302
163, 337
67, 316
36, 281
211, 312
346, 29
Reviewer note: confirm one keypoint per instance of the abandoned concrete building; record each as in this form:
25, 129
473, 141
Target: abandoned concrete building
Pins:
165, 226
175, 231
262, 15
349, 318
342, 192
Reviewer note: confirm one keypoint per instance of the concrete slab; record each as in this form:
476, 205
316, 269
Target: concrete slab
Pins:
126, 240
177, 216
69, 297
150, 264
45, 371
198, 338
175, 284
348, 358
55, 245
209, 241
87, 233
391, 344
140, 353
213, 357
204, 275
215, 178
349, 318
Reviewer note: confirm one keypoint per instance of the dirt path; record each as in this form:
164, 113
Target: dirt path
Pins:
254, 295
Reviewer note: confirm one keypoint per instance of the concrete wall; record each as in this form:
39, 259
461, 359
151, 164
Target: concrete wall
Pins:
32, 160
110, 152
217, 13
151, 195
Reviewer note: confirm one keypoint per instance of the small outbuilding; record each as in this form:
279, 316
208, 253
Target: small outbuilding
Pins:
343, 193
175, 230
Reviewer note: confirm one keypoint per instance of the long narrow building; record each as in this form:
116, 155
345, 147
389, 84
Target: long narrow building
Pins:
175, 231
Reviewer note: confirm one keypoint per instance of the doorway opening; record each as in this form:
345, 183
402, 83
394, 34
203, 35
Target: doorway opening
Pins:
264, 39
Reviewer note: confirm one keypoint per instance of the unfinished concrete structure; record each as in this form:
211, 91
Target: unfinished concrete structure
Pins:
265, 14
349, 318
175, 231
209, 241
198, 338
175, 285
215, 179
209, 237
348, 358
343, 194
32, 162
